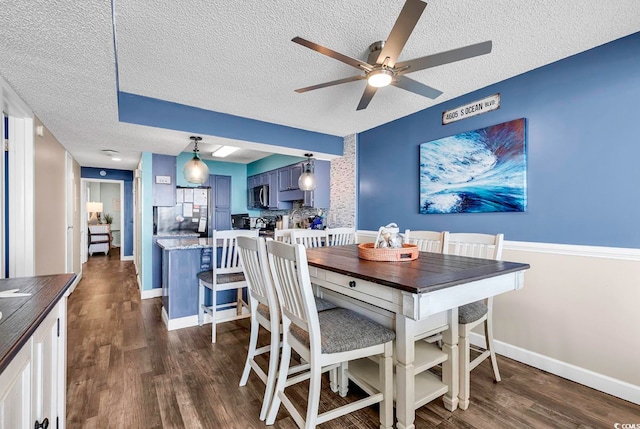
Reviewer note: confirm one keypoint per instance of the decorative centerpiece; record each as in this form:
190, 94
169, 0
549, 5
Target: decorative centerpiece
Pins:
388, 246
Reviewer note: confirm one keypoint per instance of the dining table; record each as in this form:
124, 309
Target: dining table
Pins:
416, 298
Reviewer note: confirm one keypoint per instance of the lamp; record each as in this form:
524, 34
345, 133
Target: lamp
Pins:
307, 180
94, 208
195, 170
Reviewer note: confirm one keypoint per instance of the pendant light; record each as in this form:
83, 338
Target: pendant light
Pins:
307, 180
195, 170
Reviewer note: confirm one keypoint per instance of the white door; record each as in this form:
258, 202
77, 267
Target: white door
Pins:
71, 210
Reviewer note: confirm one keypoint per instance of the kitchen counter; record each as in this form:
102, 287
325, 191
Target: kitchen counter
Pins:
21, 316
184, 243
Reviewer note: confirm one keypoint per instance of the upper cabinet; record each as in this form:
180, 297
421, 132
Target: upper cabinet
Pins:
284, 189
288, 177
164, 180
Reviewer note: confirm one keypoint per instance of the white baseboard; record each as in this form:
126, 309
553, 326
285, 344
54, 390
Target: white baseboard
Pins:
75, 282
126, 258
188, 321
603, 383
153, 293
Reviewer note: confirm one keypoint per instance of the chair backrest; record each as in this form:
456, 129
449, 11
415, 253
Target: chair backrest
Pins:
229, 260
255, 265
427, 241
288, 263
308, 237
283, 235
485, 246
340, 236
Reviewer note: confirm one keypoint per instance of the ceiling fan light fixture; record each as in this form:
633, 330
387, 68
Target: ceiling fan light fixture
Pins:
380, 77
195, 170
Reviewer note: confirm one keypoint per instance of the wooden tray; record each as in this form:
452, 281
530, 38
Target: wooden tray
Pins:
408, 252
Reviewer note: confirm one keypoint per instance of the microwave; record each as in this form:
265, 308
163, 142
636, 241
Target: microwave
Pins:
261, 197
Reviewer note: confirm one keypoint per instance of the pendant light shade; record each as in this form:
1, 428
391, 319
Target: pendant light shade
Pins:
195, 170
307, 180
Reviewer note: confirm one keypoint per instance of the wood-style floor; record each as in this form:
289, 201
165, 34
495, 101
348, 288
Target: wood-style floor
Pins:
124, 370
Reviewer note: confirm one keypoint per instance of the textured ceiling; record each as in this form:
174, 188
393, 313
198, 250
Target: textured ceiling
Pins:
236, 57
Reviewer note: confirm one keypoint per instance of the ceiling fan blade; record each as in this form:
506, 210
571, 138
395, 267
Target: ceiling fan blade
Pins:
332, 83
444, 57
402, 29
369, 92
416, 87
361, 65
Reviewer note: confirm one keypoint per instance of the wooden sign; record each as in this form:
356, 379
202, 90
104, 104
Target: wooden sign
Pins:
472, 109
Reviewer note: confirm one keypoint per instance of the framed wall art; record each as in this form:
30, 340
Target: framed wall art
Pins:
476, 171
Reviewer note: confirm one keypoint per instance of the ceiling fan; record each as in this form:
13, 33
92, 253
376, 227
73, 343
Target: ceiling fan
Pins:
382, 67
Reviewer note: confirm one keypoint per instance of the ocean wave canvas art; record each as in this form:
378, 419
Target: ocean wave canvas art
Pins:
476, 171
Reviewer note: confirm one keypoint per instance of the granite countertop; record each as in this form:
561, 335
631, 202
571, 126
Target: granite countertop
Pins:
184, 243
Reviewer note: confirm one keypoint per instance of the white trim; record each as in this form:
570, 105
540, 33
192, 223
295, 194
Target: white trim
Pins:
575, 250
189, 321
75, 283
147, 294
553, 248
601, 382
21, 198
126, 258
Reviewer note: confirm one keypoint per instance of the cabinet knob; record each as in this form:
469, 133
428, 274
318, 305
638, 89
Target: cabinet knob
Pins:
352, 283
43, 425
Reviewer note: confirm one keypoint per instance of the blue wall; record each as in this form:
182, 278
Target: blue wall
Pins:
127, 177
271, 162
582, 156
238, 173
137, 109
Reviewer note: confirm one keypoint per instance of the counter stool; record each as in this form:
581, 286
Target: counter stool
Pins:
471, 315
324, 340
226, 274
265, 312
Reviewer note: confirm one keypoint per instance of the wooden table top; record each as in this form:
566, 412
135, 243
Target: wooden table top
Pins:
428, 273
21, 316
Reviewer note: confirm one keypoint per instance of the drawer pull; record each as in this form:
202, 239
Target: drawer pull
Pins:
352, 283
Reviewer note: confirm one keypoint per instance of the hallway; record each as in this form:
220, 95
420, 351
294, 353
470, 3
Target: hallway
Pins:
124, 370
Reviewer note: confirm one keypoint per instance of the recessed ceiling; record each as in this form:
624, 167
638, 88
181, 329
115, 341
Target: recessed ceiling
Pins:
237, 58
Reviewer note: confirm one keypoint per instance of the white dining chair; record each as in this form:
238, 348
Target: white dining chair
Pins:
308, 237
226, 274
427, 241
264, 312
485, 246
282, 235
324, 340
340, 236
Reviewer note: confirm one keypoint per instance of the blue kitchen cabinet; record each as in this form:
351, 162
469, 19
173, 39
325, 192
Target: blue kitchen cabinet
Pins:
163, 170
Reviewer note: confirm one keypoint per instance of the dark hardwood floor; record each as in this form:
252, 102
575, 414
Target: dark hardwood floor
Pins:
126, 371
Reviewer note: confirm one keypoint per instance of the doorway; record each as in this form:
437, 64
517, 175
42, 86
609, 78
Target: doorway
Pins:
111, 194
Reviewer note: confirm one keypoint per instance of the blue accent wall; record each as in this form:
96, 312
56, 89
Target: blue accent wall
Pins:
137, 109
582, 154
272, 162
238, 173
127, 177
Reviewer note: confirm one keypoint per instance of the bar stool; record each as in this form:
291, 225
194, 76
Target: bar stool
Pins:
485, 246
226, 274
324, 340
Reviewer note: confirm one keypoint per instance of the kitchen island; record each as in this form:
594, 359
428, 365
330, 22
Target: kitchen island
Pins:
182, 260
